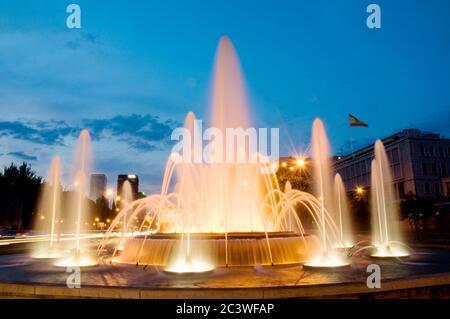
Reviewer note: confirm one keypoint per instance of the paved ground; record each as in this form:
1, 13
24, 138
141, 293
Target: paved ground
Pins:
20, 268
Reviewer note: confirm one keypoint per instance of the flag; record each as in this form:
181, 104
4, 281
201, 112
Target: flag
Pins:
355, 122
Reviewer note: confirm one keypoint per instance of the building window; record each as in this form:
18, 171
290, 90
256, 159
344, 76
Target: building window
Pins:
433, 168
431, 151
443, 168
448, 188
397, 171
401, 190
437, 188
427, 188
423, 151
424, 168
395, 156
441, 151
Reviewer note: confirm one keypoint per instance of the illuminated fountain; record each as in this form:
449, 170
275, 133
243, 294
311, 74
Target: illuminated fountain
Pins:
49, 212
386, 235
331, 236
126, 198
343, 214
77, 213
217, 213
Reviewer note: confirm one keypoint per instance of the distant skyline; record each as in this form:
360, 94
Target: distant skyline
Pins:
136, 68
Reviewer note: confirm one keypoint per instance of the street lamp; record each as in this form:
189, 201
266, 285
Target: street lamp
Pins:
300, 162
359, 190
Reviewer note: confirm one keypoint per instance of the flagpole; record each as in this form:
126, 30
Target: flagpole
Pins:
351, 143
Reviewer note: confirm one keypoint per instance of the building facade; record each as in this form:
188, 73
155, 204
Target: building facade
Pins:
420, 164
97, 186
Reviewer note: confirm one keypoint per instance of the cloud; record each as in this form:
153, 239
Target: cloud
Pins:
40, 132
141, 132
23, 156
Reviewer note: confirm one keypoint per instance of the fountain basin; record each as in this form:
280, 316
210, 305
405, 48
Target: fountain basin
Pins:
244, 249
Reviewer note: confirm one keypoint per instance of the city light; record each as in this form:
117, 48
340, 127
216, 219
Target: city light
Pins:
300, 162
97, 219
109, 192
283, 164
359, 190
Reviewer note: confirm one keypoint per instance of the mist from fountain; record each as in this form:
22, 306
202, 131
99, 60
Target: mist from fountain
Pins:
386, 235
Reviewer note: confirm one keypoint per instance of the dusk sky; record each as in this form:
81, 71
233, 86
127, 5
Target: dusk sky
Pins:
135, 68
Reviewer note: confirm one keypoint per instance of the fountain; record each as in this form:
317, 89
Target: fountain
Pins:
49, 210
331, 237
77, 213
343, 214
126, 198
386, 235
218, 214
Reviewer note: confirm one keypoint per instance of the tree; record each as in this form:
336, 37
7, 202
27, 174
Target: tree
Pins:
19, 191
416, 210
297, 179
359, 205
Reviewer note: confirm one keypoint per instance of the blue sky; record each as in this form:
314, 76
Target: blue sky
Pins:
135, 68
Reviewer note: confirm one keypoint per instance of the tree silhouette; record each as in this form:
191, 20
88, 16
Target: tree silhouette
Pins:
19, 191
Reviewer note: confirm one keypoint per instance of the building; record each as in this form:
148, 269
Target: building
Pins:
97, 186
420, 164
134, 182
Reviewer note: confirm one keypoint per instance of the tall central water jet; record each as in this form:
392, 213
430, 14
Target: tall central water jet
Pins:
386, 235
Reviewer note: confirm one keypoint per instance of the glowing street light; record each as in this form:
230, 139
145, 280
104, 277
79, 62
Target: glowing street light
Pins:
359, 190
300, 162
283, 164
